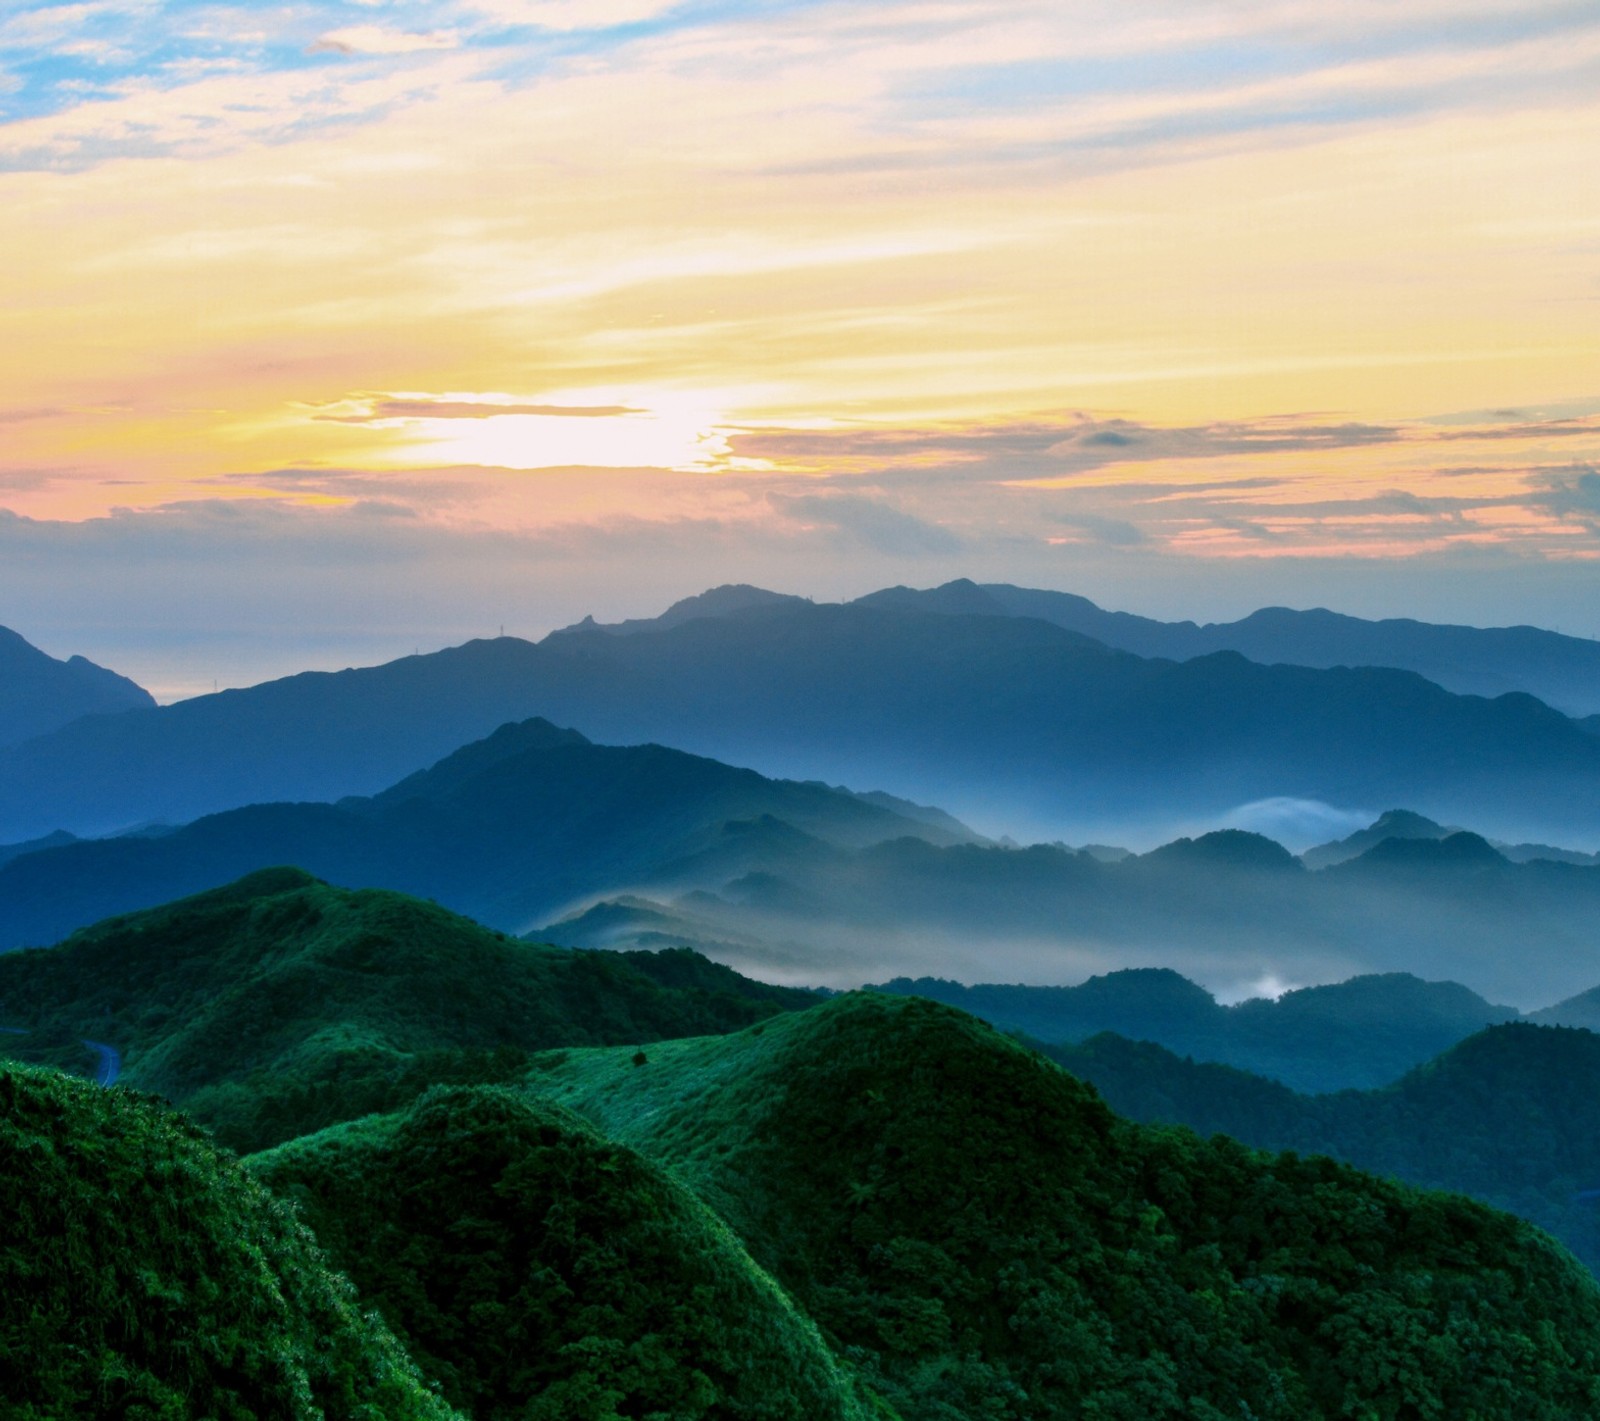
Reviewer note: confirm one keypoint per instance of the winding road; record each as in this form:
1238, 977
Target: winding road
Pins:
110, 1062
109, 1057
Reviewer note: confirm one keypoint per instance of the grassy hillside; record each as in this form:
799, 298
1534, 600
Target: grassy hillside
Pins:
143, 1274
1510, 1116
279, 1005
541, 1273
988, 1239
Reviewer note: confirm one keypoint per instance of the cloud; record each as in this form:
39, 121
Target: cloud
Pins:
564, 15
1298, 824
374, 39
870, 522
1114, 532
1573, 494
472, 409
1043, 451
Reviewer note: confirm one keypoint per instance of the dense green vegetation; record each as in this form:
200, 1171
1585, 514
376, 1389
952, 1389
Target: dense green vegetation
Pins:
541, 1273
279, 1005
986, 1239
1509, 1116
144, 1275
578, 1203
51, 1047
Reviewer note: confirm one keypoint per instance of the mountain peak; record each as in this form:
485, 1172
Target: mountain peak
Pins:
508, 742
39, 694
963, 597
1235, 848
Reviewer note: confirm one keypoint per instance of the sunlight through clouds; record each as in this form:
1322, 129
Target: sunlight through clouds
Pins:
900, 252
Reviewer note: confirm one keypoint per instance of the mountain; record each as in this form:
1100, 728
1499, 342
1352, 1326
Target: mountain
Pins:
1403, 824
509, 830
1365, 1032
1506, 1115
728, 600
1562, 671
531, 1266
984, 1237
278, 1005
1233, 910
41, 694
147, 1275
1392, 824
994, 718
1582, 1010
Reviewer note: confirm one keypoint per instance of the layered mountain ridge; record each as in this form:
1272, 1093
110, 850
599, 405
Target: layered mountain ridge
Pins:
1004, 717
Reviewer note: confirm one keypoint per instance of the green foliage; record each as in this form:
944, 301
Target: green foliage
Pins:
544, 1274
144, 1275
1508, 1116
979, 1232
279, 1005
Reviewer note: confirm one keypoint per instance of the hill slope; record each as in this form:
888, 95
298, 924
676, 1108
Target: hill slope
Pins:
1509, 1115
988, 1239
278, 1005
39, 694
147, 1275
534, 1268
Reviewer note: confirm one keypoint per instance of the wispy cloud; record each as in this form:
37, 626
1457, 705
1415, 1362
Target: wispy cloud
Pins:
821, 279
374, 39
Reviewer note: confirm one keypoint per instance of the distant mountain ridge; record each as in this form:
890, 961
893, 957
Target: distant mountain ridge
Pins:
1228, 908
508, 829
39, 694
1404, 824
1008, 716
1563, 671
1362, 1033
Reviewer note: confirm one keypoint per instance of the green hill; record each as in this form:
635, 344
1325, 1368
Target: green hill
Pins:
1510, 1116
987, 1239
145, 1275
279, 1004
541, 1273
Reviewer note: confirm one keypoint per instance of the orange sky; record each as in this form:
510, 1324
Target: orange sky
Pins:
1257, 279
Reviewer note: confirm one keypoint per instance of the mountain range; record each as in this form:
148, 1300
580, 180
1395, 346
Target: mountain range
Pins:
1230, 908
1006, 719
537, 830
1363, 1033
509, 829
39, 694
1563, 671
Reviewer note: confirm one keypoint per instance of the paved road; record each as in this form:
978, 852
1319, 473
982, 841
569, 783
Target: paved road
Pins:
110, 1062
110, 1058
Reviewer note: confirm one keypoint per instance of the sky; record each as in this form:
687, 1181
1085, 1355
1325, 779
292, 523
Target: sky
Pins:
333, 330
